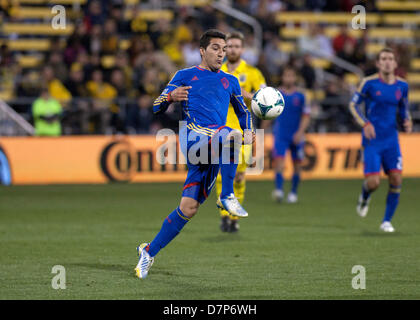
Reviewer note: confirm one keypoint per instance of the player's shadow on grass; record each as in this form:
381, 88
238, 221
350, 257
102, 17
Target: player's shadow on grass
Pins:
369, 233
101, 266
224, 237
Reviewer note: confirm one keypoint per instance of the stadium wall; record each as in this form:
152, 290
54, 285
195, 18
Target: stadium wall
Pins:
103, 159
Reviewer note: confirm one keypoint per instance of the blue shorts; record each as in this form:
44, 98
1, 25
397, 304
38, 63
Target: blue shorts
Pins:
201, 177
387, 155
282, 145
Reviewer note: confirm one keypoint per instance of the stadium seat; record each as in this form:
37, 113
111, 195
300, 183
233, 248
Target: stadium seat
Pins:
413, 78
320, 63
415, 64
352, 79
39, 13
28, 44
150, 15
29, 61
287, 46
414, 96
36, 29
386, 5
322, 17
401, 18
192, 3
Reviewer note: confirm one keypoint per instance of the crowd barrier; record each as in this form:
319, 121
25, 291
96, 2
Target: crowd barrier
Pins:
103, 159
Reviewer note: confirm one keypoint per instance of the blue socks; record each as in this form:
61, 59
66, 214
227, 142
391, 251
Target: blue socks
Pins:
170, 229
279, 181
365, 192
392, 201
295, 182
228, 170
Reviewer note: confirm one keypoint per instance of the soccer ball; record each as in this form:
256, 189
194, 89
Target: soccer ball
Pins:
267, 103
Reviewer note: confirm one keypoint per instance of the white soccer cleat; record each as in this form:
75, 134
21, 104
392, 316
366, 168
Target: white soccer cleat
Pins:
292, 197
387, 227
232, 205
278, 195
362, 206
145, 262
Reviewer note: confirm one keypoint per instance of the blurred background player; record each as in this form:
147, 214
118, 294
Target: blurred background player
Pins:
250, 80
289, 133
385, 95
204, 92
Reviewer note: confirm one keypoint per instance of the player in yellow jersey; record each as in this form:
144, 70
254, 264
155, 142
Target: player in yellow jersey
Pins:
250, 80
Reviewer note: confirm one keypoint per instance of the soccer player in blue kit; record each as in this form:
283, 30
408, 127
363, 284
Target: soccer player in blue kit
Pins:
385, 95
205, 93
289, 133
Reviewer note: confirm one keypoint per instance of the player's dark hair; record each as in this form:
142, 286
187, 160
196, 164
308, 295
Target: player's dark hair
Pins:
210, 34
236, 35
386, 49
288, 67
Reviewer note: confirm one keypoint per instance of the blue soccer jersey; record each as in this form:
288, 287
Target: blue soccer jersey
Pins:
383, 102
286, 125
205, 112
208, 99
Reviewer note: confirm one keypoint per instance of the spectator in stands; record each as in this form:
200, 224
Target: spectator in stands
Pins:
95, 15
315, 42
103, 94
46, 112
342, 38
55, 86
308, 72
77, 117
139, 116
6, 56
110, 37
55, 60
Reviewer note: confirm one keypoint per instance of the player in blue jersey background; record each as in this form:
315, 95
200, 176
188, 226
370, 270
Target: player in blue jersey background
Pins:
386, 98
289, 134
204, 92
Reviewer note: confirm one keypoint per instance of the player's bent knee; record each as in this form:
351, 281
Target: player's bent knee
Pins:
373, 182
395, 179
189, 206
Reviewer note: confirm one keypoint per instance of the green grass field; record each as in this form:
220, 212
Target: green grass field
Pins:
301, 251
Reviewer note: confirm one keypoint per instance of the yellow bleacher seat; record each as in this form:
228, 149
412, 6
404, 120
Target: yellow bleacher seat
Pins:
388, 33
415, 64
332, 31
398, 5
287, 46
150, 15
322, 17
192, 3
29, 61
373, 48
28, 44
39, 13
124, 44
401, 18
413, 78
108, 61
414, 96
320, 63
36, 29
311, 95
351, 78
52, 2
